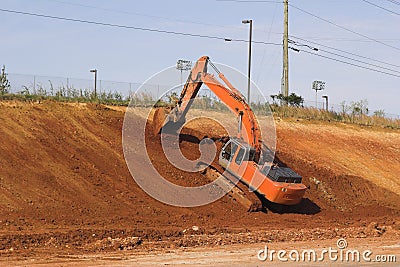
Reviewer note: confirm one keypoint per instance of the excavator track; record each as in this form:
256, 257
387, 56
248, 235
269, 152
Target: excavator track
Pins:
239, 193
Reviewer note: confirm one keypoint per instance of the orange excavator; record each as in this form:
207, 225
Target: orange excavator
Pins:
245, 155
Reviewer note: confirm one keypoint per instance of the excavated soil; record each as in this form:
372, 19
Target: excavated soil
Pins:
65, 187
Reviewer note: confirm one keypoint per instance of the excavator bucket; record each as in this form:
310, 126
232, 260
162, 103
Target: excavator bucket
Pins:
158, 120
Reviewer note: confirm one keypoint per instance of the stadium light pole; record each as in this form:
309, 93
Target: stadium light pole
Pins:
249, 21
183, 65
317, 86
95, 81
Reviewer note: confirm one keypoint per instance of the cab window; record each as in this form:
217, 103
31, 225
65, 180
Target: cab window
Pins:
234, 148
226, 154
240, 155
229, 151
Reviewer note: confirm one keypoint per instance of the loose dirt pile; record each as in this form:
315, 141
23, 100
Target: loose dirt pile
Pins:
64, 186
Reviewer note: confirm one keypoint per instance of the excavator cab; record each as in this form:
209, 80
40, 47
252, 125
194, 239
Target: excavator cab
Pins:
235, 152
279, 185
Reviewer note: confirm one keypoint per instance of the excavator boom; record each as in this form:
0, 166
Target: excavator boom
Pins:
249, 129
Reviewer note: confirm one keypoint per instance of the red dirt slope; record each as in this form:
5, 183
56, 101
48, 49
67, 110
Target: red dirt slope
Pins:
64, 183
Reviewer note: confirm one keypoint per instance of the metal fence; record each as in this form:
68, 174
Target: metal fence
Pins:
73, 87
51, 86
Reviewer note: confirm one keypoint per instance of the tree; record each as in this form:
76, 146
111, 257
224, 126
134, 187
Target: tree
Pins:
173, 98
292, 99
4, 82
295, 100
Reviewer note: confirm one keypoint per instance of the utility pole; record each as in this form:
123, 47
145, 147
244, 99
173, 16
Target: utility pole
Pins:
285, 77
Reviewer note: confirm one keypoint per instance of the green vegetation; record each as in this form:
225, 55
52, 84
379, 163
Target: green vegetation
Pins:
61, 93
355, 112
292, 99
4, 82
73, 96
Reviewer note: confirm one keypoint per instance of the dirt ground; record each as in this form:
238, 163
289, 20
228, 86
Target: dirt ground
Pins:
67, 197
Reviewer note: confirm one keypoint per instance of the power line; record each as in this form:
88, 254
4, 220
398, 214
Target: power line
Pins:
349, 53
336, 54
394, 2
140, 14
382, 41
268, 36
349, 63
206, 24
344, 28
320, 18
192, 35
342, 56
360, 61
163, 18
134, 27
343, 39
159, 17
381, 7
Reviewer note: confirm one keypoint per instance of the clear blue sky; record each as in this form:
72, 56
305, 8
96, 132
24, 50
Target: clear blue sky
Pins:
40, 46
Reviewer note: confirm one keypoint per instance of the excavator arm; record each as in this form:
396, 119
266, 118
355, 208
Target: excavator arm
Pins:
248, 127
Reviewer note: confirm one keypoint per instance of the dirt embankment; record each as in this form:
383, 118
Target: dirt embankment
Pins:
64, 185
349, 167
